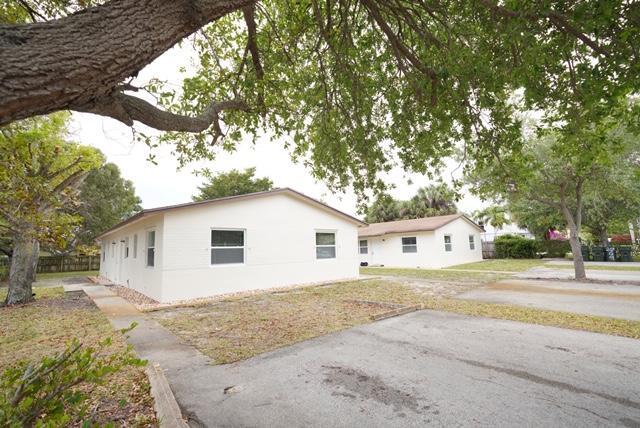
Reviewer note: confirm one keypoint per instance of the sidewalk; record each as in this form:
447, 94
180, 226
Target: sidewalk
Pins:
152, 342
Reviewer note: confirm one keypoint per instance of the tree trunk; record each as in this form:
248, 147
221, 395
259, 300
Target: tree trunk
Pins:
78, 62
578, 261
22, 272
604, 238
574, 229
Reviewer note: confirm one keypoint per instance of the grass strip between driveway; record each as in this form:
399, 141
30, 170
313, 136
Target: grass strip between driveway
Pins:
436, 274
596, 324
504, 265
599, 267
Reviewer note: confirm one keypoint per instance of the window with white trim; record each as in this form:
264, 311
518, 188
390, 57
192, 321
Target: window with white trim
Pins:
448, 245
227, 246
325, 245
126, 247
104, 251
151, 248
364, 246
472, 242
410, 244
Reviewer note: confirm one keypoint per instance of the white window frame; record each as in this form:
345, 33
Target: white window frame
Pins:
147, 247
104, 250
135, 245
364, 247
405, 246
334, 246
449, 244
126, 247
244, 247
472, 242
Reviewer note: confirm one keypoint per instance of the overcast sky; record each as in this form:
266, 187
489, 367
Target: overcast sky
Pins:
163, 184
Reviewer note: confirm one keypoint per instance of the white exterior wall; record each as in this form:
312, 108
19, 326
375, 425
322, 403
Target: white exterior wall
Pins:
132, 271
387, 250
279, 249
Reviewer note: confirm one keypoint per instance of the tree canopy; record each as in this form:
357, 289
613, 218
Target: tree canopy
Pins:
562, 171
106, 198
429, 201
349, 86
40, 172
494, 215
232, 183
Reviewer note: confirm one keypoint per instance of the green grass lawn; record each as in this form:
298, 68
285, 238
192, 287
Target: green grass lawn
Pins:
600, 267
504, 265
435, 274
59, 275
44, 327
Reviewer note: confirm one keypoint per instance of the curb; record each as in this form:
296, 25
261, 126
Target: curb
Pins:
165, 404
396, 312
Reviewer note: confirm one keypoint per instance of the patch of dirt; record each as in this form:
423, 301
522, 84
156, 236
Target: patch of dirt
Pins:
435, 288
351, 382
67, 302
133, 296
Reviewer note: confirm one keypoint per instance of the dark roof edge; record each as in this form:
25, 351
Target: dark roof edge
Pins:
309, 199
419, 229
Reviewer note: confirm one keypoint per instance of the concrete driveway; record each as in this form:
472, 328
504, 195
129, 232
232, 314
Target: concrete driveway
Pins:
603, 299
425, 368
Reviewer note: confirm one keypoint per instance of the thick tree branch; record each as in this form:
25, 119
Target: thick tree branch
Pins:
80, 59
128, 109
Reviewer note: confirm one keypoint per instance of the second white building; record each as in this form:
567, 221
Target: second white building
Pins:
430, 242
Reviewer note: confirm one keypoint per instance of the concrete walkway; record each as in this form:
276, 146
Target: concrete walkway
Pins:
609, 300
151, 341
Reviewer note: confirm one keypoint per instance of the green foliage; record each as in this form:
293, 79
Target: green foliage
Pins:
49, 393
39, 176
350, 100
553, 247
494, 215
106, 198
39, 10
232, 183
514, 247
429, 201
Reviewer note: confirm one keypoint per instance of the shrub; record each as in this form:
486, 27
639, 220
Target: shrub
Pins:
621, 239
514, 247
47, 393
554, 248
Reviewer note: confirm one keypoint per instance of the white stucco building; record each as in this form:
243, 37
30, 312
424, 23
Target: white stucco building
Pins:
430, 242
255, 241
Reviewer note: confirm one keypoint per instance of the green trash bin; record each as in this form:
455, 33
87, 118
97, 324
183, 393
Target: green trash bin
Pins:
599, 253
624, 254
586, 254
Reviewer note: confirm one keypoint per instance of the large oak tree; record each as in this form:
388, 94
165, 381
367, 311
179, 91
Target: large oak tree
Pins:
353, 84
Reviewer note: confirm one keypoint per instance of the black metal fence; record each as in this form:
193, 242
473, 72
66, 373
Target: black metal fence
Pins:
49, 264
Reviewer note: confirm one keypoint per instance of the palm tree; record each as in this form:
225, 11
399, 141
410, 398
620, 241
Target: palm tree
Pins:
495, 215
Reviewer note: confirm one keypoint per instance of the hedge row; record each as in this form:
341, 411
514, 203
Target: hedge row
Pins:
518, 247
